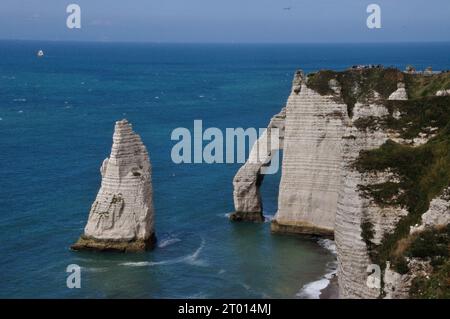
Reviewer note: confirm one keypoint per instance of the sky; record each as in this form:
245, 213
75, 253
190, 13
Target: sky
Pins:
226, 21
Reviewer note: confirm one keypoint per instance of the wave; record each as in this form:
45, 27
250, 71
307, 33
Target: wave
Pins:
189, 259
93, 269
167, 242
313, 289
328, 244
19, 100
199, 295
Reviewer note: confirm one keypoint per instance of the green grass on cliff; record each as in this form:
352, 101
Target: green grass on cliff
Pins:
417, 116
437, 286
432, 245
420, 86
357, 85
424, 173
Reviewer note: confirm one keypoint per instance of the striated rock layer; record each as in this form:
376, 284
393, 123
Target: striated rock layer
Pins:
312, 157
121, 218
353, 209
377, 195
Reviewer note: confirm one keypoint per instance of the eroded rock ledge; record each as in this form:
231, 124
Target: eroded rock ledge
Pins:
121, 217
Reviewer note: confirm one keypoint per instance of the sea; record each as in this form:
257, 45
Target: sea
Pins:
57, 116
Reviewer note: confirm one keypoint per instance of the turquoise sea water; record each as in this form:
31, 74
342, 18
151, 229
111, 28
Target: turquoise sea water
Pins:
57, 115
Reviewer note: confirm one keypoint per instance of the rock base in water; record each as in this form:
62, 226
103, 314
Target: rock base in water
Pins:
301, 229
94, 244
256, 217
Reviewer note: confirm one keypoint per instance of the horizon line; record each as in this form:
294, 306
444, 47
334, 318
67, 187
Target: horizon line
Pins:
225, 42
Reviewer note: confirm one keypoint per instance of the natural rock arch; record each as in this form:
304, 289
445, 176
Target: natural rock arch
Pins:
249, 178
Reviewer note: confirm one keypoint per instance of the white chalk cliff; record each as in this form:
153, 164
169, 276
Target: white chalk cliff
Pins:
330, 120
400, 94
312, 156
438, 215
121, 217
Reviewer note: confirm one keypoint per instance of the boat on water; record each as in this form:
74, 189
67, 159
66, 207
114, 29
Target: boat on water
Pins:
40, 53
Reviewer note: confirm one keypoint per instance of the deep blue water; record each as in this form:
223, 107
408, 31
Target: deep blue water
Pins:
57, 116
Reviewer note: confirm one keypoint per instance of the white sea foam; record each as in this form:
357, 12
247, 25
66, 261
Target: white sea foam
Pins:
247, 287
313, 289
20, 111
191, 259
93, 269
328, 244
20, 100
1, 119
167, 242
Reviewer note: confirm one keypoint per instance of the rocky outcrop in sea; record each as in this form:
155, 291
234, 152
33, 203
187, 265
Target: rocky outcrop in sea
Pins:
122, 215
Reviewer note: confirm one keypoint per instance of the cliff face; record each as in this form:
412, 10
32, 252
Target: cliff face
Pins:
312, 157
393, 149
121, 218
367, 159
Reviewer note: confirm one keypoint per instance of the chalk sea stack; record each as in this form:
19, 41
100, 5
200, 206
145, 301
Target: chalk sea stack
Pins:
121, 217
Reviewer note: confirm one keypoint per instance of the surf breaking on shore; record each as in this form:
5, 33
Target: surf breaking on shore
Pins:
319, 289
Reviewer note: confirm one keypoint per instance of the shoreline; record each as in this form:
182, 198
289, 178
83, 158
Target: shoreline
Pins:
327, 286
332, 290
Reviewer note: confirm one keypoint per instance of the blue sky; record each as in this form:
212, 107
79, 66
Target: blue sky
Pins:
226, 20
